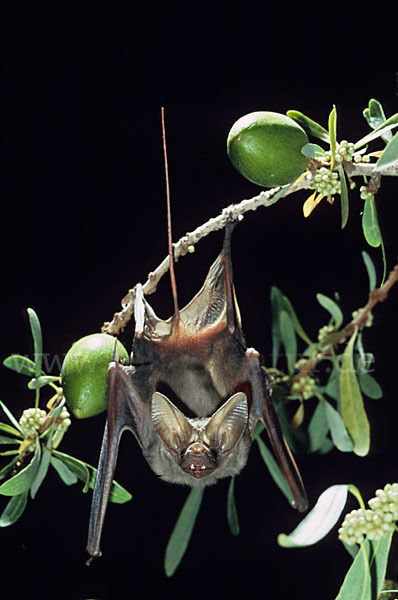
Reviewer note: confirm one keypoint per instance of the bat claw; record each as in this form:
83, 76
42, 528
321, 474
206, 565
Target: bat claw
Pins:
115, 355
90, 560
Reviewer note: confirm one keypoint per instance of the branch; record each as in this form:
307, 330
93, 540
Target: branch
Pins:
232, 212
377, 295
370, 170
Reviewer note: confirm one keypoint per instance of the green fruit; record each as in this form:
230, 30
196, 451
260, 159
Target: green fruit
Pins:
265, 147
84, 373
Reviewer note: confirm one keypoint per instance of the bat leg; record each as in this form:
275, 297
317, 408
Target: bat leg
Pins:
262, 408
126, 410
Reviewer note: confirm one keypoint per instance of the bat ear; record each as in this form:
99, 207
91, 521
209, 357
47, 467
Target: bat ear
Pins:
228, 423
171, 424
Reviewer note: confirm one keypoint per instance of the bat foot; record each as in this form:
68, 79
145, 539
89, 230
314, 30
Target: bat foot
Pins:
90, 560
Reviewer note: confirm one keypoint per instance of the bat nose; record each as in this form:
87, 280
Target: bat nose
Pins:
197, 448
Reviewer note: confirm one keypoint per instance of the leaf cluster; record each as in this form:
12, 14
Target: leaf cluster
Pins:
333, 372
337, 160
34, 450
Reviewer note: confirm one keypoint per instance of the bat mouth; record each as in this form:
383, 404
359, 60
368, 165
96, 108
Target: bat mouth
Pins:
198, 461
197, 470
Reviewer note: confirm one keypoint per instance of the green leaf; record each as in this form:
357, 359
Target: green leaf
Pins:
37, 340
357, 495
369, 386
182, 531
79, 468
375, 116
352, 550
281, 304
275, 197
332, 387
332, 308
391, 123
344, 198
12, 419
339, 433
318, 429
364, 360
8, 429
87, 474
232, 513
313, 151
41, 472
4, 471
39, 382
259, 428
20, 364
383, 253
274, 470
14, 509
357, 585
352, 407
276, 307
390, 154
322, 518
378, 566
309, 125
333, 134
118, 495
8, 440
67, 476
370, 268
22, 481
289, 340
327, 446
296, 323
370, 223
365, 577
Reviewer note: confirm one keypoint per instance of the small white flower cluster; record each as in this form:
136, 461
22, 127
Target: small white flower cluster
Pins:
31, 421
375, 522
63, 420
386, 500
326, 182
325, 331
358, 157
305, 386
344, 151
369, 318
365, 194
33, 418
278, 376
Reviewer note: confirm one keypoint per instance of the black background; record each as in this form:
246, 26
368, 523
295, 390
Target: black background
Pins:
83, 219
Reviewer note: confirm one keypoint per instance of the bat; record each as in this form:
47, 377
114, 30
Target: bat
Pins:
192, 396
193, 393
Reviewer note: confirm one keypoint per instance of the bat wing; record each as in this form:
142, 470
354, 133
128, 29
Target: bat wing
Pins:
126, 410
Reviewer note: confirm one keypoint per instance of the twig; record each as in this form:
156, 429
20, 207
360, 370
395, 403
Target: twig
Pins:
377, 295
232, 212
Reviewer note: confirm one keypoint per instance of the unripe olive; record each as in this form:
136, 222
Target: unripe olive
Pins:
84, 373
265, 147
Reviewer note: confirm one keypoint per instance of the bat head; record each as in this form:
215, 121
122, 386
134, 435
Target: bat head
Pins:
201, 450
